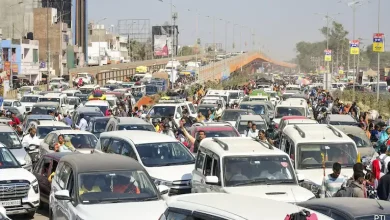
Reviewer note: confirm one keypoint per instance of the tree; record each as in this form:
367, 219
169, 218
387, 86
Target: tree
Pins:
373, 58
186, 51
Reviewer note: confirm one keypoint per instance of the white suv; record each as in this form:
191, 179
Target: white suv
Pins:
19, 188
247, 167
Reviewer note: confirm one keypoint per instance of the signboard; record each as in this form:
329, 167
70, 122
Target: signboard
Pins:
354, 47
341, 70
378, 44
160, 45
328, 55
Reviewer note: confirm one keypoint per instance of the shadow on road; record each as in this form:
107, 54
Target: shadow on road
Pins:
42, 214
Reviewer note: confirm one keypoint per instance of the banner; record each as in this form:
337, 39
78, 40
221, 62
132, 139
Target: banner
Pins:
341, 70
328, 55
354, 47
379, 43
160, 45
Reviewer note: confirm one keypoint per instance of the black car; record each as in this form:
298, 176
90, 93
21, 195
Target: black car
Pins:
83, 97
97, 125
89, 112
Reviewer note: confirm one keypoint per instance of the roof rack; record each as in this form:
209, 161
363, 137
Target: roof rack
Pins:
336, 132
300, 131
221, 143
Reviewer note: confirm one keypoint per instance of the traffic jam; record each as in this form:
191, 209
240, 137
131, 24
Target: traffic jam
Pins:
268, 149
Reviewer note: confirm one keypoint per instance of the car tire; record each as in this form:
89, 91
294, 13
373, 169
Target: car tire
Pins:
30, 215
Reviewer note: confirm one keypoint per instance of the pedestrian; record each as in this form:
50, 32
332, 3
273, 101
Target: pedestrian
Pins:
83, 124
67, 119
383, 189
248, 127
334, 181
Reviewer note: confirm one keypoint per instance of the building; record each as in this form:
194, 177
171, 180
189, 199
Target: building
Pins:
16, 17
21, 57
55, 38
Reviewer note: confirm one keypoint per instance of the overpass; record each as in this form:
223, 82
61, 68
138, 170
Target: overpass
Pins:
213, 71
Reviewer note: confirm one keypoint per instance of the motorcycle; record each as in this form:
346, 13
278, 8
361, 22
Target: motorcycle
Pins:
32, 150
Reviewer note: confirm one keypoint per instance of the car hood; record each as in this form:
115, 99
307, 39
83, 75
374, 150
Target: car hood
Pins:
171, 173
283, 193
317, 175
16, 174
367, 152
84, 150
137, 210
19, 154
28, 104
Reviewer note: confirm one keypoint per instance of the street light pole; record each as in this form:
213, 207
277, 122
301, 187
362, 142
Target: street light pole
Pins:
379, 56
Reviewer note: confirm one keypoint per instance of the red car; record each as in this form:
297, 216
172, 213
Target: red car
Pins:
217, 130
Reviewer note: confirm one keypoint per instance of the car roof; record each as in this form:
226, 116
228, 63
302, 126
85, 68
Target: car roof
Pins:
139, 137
82, 163
32, 95
357, 207
255, 102
235, 206
52, 123
70, 90
88, 109
101, 118
213, 128
251, 118
39, 117
131, 120
341, 118
69, 131
354, 130
54, 95
46, 104
239, 146
58, 155
235, 110
292, 117
316, 133
97, 103
6, 128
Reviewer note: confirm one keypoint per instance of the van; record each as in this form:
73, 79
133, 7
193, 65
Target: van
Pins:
60, 98
312, 145
292, 107
172, 65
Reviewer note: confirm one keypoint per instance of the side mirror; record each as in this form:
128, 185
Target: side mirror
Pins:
212, 180
300, 177
163, 189
62, 195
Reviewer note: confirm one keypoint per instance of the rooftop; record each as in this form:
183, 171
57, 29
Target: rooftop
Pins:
251, 118
52, 123
314, 133
55, 104
69, 131
139, 137
131, 120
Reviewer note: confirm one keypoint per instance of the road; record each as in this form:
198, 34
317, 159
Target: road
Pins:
40, 215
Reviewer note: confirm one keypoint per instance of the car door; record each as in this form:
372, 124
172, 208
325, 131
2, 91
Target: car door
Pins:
44, 148
197, 173
40, 173
20, 107
216, 171
207, 170
62, 206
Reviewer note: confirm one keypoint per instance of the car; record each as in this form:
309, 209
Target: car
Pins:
222, 206
82, 141
15, 111
166, 160
19, 188
128, 123
97, 125
286, 118
14, 103
260, 108
89, 112
121, 187
71, 92
28, 101
295, 121
30, 118
45, 166
242, 123
289, 93
3, 213
348, 208
44, 127
10, 139
336, 119
214, 100
60, 98
247, 167
86, 77
291, 107
74, 103
43, 108
83, 98
205, 108
167, 109
307, 144
363, 143
87, 89
231, 115
273, 97
101, 104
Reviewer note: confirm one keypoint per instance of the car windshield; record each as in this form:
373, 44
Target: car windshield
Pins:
359, 141
7, 160
55, 81
164, 154
162, 111
116, 186
102, 108
100, 126
309, 156
223, 133
10, 140
243, 126
258, 109
72, 101
286, 96
205, 110
46, 99
42, 110
29, 99
42, 131
255, 170
233, 115
25, 89
289, 111
112, 102
348, 123
7, 103
89, 115
137, 127
86, 90
272, 94
82, 140
233, 95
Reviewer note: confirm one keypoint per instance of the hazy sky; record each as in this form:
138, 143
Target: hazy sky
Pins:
278, 24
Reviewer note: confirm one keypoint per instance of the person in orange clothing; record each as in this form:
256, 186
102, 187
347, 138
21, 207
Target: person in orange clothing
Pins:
123, 184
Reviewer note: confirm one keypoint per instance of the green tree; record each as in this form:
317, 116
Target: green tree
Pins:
186, 51
373, 58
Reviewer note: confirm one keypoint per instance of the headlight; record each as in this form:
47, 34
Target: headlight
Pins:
27, 159
35, 186
158, 182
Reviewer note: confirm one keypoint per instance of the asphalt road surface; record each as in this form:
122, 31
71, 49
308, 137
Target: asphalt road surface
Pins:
40, 215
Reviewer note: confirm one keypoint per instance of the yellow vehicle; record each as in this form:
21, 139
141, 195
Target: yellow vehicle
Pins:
92, 97
141, 69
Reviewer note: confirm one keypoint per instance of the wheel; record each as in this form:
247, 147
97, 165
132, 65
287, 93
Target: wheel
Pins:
30, 215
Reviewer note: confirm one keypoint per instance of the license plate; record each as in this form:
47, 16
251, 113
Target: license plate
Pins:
11, 203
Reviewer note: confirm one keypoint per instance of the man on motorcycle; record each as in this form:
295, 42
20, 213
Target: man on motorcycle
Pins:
272, 134
30, 138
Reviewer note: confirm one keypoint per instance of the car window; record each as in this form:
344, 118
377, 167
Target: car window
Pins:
115, 146
128, 151
63, 176
48, 139
215, 170
192, 108
199, 161
44, 167
208, 164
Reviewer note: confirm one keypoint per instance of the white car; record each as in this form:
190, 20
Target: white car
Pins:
246, 167
121, 189
29, 100
87, 78
19, 188
103, 105
221, 206
167, 160
16, 104
3, 214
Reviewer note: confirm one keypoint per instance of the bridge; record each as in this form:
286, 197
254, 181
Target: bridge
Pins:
213, 71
